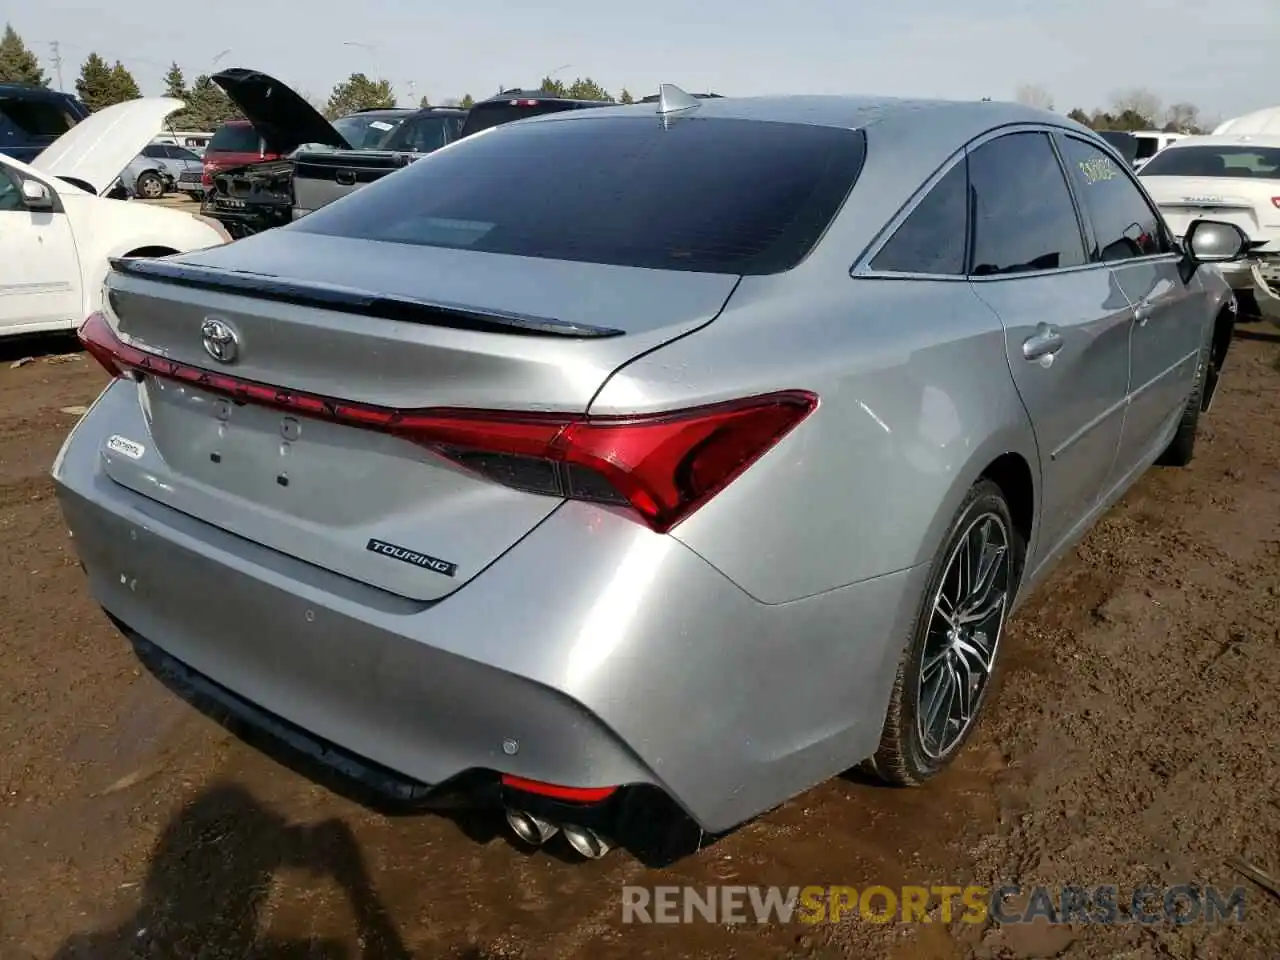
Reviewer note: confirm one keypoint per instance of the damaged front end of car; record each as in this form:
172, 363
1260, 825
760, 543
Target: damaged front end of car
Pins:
249, 199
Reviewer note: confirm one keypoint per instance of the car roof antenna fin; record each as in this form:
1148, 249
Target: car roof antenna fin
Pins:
671, 99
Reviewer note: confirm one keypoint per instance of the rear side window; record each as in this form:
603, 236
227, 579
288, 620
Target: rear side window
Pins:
932, 238
235, 138
1024, 219
37, 117
1147, 147
493, 113
1125, 225
1221, 161
711, 195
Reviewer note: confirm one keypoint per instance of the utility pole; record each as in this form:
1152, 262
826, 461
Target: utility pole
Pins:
57, 62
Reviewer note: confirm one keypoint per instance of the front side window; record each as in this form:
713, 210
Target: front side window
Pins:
421, 135
1125, 225
710, 195
10, 192
932, 238
1023, 217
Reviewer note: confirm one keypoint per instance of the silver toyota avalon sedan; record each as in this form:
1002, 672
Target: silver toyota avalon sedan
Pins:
699, 448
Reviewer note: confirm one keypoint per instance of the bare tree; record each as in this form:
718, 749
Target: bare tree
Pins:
1138, 102
1034, 95
1183, 118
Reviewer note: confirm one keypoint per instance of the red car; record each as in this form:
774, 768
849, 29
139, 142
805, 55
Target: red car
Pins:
234, 144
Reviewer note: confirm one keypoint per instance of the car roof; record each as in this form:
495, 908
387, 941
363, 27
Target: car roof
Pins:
1270, 140
949, 124
32, 92
438, 111
394, 111
535, 95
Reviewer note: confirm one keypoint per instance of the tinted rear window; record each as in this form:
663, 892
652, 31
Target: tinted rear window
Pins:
493, 113
235, 138
713, 195
423, 134
37, 117
1224, 161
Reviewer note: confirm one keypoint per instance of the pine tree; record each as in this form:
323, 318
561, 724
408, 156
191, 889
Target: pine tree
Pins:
94, 83
175, 84
17, 63
626, 96
467, 101
123, 86
358, 92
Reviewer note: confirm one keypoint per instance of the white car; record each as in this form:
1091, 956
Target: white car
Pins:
1232, 177
57, 231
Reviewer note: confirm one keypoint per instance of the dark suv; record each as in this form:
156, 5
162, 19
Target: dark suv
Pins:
31, 118
517, 105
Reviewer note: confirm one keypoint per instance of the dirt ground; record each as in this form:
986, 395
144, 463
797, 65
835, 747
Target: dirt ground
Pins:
1134, 740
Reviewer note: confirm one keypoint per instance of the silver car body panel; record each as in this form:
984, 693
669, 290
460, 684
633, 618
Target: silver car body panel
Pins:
733, 662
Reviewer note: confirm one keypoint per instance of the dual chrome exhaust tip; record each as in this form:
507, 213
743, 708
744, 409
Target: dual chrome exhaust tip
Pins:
535, 831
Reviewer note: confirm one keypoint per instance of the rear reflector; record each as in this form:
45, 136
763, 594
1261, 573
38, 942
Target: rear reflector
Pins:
664, 466
1275, 201
556, 792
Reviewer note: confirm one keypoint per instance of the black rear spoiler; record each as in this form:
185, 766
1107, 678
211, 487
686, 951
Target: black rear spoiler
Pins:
359, 302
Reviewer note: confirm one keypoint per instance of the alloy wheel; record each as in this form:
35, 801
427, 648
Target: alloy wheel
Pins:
965, 624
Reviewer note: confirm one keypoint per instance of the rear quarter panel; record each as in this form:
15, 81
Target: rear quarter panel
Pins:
916, 400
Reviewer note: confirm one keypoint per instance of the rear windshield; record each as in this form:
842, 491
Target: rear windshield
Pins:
364, 132
423, 134
236, 138
495, 112
37, 117
711, 195
1220, 161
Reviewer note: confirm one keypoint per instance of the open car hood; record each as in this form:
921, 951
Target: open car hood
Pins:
96, 149
284, 118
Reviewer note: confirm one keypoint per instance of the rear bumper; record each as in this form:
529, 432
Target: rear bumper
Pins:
594, 653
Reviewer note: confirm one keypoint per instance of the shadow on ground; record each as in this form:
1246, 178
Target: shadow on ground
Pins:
209, 879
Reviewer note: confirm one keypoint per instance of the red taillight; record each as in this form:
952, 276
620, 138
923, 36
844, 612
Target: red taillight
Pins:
524, 103
1275, 201
555, 792
664, 466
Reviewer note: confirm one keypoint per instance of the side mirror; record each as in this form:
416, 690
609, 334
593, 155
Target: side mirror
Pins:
1212, 241
36, 196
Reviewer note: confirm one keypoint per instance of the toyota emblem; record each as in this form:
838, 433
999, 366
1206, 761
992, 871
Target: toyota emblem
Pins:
220, 341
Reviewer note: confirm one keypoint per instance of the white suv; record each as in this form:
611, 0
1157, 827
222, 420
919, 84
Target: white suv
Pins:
1232, 177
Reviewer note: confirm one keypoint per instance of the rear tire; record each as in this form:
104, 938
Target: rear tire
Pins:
955, 642
149, 186
1181, 448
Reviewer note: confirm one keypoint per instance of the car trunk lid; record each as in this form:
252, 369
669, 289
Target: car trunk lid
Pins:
447, 329
1245, 203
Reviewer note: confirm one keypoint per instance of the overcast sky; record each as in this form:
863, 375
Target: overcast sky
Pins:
1219, 54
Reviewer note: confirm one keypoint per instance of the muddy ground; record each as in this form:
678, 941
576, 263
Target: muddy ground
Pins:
1135, 740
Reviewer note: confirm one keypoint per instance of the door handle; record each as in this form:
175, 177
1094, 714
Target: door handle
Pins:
1143, 311
1042, 347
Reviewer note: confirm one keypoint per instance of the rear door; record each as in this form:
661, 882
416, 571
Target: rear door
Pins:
1168, 325
1066, 321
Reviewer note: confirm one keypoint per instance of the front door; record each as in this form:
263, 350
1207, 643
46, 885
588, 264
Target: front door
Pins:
39, 270
1167, 320
1066, 323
